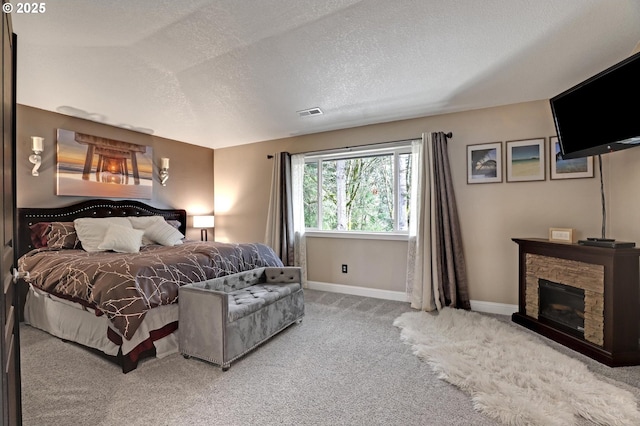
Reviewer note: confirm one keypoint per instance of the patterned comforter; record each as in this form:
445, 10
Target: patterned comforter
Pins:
125, 286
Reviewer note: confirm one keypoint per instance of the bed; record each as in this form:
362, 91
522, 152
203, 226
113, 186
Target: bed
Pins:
105, 274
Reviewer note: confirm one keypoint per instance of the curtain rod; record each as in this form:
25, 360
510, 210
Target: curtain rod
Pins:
346, 148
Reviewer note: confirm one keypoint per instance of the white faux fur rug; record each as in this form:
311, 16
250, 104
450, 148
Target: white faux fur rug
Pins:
511, 375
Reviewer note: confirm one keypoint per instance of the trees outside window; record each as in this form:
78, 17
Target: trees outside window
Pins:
363, 190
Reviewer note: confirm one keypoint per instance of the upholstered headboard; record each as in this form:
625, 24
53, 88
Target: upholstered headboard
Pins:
92, 208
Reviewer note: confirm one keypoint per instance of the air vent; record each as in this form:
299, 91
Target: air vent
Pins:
310, 111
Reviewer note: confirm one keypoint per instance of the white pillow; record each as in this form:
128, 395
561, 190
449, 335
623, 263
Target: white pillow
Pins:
163, 233
143, 222
91, 230
122, 239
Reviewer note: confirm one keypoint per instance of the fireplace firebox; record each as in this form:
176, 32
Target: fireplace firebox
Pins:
562, 306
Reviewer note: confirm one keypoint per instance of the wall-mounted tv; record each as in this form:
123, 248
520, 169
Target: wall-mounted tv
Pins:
601, 114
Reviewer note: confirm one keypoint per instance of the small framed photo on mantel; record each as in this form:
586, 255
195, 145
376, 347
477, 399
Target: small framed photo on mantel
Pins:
562, 235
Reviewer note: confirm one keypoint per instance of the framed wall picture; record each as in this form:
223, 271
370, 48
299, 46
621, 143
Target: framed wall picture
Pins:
568, 169
525, 160
484, 163
93, 166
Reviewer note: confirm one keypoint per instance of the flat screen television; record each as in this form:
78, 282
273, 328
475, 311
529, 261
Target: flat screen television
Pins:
601, 114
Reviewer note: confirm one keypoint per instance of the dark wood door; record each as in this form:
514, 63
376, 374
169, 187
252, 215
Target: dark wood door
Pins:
9, 327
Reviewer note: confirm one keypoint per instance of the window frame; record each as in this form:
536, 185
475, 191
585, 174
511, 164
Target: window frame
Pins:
395, 149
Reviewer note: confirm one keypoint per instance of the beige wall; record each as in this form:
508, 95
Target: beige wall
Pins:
490, 214
190, 185
622, 181
372, 264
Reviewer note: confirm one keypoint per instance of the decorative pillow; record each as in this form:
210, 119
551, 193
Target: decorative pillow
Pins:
143, 222
39, 233
122, 239
175, 223
163, 233
63, 236
91, 231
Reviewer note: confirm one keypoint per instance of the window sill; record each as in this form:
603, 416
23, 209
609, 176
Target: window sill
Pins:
394, 236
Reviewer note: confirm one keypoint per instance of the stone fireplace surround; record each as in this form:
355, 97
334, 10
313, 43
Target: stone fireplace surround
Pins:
610, 279
585, 276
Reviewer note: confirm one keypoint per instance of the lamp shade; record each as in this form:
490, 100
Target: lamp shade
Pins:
36, 143
203, 221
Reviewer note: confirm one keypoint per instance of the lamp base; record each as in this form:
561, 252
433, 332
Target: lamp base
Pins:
164, 176
36, 160
203, 235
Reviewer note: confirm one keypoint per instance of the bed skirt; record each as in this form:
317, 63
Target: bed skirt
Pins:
71, 321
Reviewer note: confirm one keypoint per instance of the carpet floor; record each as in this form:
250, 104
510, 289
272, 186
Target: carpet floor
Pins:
345, 364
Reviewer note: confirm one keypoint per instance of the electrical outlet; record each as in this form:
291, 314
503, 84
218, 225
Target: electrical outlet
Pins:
344, 269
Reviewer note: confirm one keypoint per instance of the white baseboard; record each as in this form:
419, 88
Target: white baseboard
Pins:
400, 296
493, 308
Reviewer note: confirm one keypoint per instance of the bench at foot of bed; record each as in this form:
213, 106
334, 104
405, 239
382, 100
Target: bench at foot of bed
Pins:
224, 318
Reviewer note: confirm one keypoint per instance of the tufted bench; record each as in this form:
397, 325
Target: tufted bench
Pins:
223, 318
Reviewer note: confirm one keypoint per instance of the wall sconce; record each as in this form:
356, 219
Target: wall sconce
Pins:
164, 171
35, 159
203, 222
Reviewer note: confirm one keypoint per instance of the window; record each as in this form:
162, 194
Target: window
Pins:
363, 189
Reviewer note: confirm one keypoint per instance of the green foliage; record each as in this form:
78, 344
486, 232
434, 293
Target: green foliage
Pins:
357, 193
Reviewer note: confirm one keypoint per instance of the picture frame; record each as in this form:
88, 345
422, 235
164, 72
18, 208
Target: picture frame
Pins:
484, 163
93, 166
526, 160
562, 235
575, 168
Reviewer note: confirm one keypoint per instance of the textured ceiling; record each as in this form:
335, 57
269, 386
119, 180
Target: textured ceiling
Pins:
219, 73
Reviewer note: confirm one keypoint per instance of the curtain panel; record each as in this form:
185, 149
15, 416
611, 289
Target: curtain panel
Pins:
279, 234
297, 201
436, 268
285, 218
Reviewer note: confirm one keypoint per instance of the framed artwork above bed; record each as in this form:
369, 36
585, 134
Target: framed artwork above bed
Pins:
92, 166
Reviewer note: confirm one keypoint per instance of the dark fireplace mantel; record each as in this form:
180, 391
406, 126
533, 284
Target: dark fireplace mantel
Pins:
610, 281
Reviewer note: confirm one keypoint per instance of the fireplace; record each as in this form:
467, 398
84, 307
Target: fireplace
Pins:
586, 298
562, 306
572, 295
